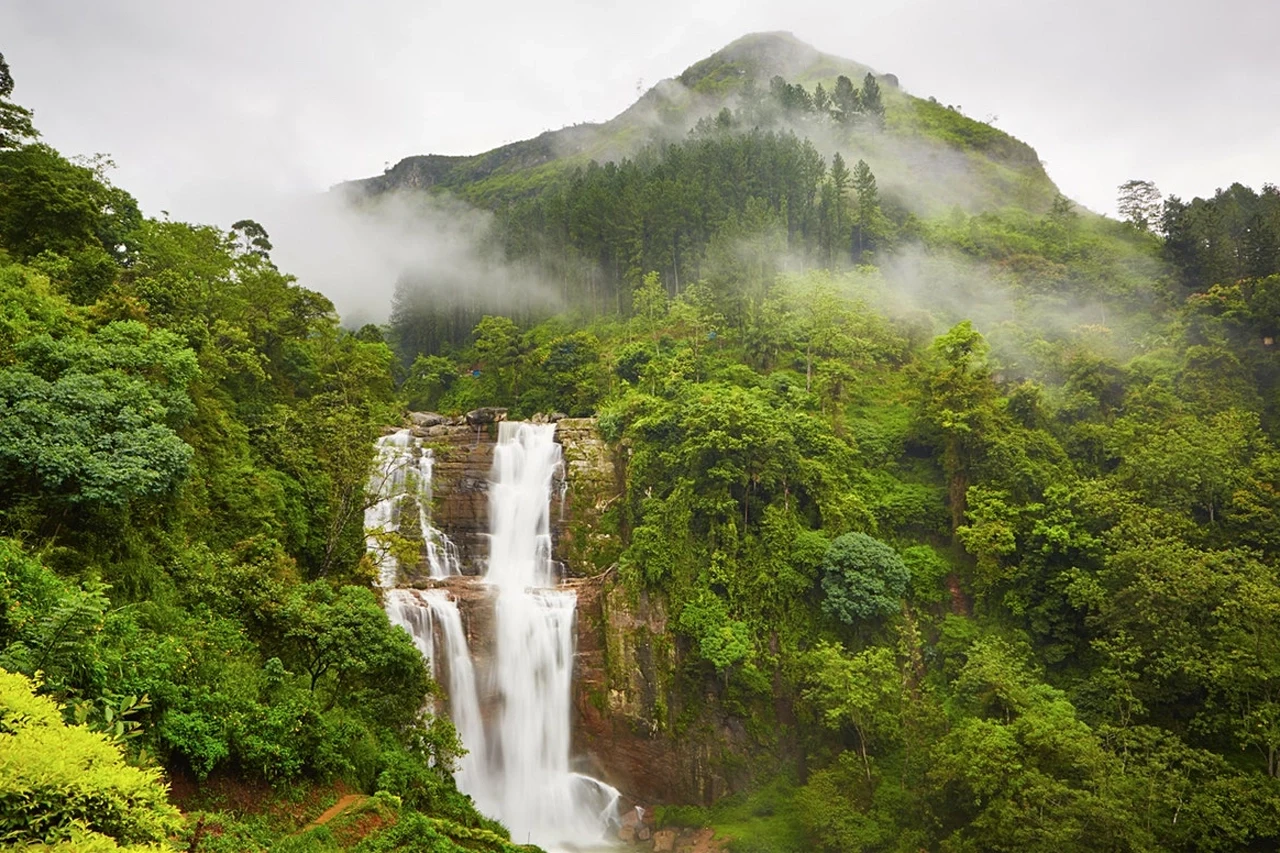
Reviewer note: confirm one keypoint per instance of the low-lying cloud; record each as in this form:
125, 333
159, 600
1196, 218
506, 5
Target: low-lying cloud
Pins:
357, 252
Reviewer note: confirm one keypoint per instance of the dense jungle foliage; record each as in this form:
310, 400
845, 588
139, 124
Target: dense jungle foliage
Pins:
185, 441
986, 502
968, 512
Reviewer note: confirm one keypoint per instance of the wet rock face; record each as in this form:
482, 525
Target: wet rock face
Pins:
475, 601
486, 415
428, 419
585, 540
460, 484
463, 450
627, 699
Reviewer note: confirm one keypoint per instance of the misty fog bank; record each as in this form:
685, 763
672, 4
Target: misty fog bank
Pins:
357, 254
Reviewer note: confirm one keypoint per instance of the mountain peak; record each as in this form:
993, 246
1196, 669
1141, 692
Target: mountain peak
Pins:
760, 56
770, 49
928, 155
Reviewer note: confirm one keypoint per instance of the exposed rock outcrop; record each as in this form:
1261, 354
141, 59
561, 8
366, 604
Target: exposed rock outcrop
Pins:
460, 485
463, 450
632, 727
585, 532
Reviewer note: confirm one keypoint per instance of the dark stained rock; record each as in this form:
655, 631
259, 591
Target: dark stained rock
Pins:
460, 487
584, 539
486, 415
627, 698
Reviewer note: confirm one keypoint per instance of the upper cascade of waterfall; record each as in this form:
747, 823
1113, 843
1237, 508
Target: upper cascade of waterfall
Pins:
526, 462
401, 478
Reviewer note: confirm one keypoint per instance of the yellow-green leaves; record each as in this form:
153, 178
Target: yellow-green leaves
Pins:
60, 782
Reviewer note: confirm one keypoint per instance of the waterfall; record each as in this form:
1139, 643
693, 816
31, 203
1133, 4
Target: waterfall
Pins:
528, 783
442, 554
405, 609
518, 763
402, 473
424, 614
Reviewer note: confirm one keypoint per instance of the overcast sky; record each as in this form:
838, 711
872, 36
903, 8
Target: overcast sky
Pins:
209, 108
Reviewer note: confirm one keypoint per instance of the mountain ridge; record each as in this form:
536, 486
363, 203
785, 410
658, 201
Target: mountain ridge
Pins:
920, 133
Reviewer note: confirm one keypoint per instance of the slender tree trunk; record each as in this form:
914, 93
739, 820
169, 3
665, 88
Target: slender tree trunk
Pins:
862, 750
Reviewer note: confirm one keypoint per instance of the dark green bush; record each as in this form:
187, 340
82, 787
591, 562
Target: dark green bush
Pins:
863, 578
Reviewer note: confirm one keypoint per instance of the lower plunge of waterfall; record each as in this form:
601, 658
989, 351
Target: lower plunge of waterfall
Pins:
512, 705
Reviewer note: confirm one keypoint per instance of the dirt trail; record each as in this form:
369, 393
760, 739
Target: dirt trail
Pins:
336, 809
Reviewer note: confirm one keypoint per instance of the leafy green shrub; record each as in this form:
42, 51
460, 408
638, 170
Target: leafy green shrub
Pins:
88, 421
57, 779
863, 578
409, 778
928, 570
834, 813
419, 786
318, 840
430, 377
417, 833
49, 624
914, 507
631, 361
722, 641
197, 738
664, 816
82, 841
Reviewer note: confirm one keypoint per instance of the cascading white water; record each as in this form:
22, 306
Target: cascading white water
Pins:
464, 698
526, 781
402, 472
388, 484
526, 461
406, 609
424, 614
442, 554
517, 766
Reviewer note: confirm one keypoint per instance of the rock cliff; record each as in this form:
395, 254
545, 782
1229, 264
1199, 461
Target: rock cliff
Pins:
463, 450
460, 486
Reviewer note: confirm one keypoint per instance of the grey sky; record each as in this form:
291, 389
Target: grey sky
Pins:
211, 108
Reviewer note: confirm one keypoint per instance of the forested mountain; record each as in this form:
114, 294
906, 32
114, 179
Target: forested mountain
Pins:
827, 166
962, 500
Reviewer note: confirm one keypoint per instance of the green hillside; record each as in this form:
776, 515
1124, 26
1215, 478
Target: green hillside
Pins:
963, 511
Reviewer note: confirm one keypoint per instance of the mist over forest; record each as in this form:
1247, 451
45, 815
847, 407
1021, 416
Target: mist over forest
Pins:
786, 464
